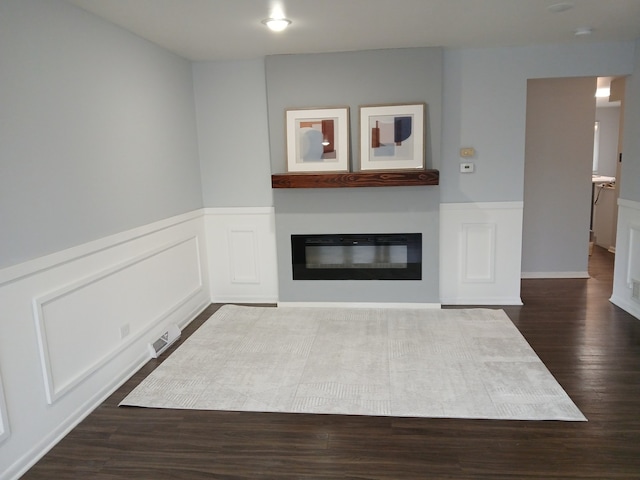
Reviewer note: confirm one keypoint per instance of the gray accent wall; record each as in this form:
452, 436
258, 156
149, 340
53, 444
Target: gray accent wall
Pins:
353, 79
359, 210
97, 130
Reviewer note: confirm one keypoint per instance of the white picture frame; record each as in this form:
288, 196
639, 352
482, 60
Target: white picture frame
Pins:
317, 139
392, 137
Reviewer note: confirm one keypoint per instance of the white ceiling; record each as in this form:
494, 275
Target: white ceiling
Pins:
230, 29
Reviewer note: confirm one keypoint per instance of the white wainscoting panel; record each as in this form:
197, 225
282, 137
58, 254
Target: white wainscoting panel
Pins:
159, 281
244, 256
76, 324
627, 262
633, 263
480, 253
241, 247
4, 418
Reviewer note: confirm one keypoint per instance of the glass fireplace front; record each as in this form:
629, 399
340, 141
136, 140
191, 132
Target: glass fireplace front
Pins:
381, 256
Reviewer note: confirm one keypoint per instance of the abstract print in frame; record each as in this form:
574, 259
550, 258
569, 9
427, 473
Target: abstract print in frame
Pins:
317, 139
392, 137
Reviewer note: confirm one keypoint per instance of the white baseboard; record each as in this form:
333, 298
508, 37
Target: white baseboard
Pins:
629, 306
485, 301
45, 444
359, 305
77, 324
528, 275
245, 299
39, 449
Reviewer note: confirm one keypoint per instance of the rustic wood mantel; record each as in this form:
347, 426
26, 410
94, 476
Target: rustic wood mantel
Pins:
396, 178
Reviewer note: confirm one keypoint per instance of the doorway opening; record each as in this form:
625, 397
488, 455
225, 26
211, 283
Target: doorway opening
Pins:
563, 206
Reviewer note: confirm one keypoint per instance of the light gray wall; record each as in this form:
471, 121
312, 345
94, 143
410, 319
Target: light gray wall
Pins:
485, 93
630, 177
233, 133
558, 163
97, 130
353, 79
609, 118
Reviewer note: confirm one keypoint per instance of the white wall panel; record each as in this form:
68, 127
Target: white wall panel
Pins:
132, 296
244, 261
4, 418
480, 253
633, 262
627, 262
241, 246
64, 319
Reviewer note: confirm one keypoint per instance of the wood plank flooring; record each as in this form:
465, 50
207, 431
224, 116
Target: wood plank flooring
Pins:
591, 347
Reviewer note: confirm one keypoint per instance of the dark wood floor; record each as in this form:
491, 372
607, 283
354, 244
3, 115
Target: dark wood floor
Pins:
591, 346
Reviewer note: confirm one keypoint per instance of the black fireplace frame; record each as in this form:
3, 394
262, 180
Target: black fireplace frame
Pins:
413, 270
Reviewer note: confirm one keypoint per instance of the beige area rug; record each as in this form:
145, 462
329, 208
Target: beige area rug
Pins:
471, 363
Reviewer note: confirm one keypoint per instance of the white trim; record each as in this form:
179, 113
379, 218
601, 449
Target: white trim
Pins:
253, 299
629, 203
633, 254
245, 271
471, 248
40, 449
627, 259
483, 206
54, 392
468, 301
485, 272
42, 444
239, 210
4, 417
419, 306
629, 306
37, 265
248, 257
528, 275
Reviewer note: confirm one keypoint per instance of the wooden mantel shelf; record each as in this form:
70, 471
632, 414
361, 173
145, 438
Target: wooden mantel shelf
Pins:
395, 178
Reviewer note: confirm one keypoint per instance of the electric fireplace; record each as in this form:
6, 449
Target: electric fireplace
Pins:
370, 256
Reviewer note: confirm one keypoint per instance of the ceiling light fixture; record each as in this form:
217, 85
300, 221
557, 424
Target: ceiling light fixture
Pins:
277, 24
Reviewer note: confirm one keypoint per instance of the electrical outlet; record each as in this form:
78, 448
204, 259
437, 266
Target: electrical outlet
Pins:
466, 168
124, 330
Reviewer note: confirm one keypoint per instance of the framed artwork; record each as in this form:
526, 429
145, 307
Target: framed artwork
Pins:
392, 137
317, 139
